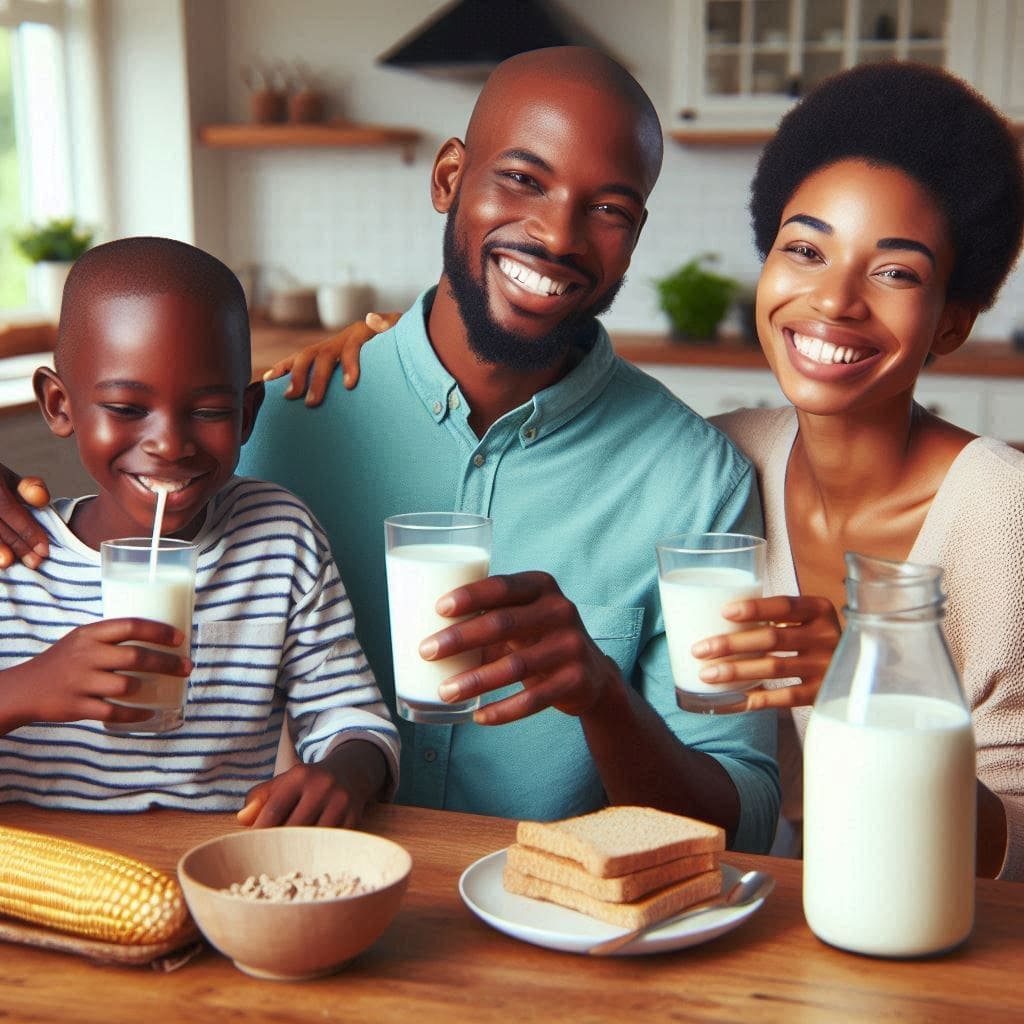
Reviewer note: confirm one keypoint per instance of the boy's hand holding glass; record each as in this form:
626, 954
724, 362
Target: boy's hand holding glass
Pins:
77, 678
786, 637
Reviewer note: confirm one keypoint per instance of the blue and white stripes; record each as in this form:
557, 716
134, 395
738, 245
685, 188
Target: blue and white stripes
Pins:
274, 635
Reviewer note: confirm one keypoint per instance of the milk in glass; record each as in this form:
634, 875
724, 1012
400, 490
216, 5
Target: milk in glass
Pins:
428, 554
168, 597
691, 601
137, 585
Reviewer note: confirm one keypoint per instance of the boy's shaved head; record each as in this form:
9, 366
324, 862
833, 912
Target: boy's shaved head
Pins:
569, 67
144, 266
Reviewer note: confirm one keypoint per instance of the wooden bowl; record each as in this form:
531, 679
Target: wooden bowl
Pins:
302, 939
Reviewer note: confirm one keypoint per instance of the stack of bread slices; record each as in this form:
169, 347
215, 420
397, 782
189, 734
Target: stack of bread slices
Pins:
627, 866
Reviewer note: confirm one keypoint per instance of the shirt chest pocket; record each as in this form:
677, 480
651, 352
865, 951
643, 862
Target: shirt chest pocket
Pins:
236, 669
615, 630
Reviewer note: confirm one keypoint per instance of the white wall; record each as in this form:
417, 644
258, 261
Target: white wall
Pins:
312, 213
149, 142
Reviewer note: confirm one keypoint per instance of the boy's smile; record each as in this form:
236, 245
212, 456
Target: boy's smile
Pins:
154, 390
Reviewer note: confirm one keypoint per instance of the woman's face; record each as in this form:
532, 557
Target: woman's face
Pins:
852, 296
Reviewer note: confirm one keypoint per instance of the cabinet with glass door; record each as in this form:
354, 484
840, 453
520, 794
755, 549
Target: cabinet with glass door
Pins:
741, 63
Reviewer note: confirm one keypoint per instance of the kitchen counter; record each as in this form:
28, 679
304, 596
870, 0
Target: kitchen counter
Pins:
21, 344
981, 358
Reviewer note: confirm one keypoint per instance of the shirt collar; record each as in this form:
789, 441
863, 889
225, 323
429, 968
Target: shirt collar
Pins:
544, 413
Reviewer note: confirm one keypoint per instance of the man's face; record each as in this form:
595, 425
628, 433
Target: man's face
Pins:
546, 211
157, 400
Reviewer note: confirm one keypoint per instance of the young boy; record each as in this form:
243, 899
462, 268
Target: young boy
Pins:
152, 379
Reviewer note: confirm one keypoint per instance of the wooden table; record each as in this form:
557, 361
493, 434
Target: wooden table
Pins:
437, 962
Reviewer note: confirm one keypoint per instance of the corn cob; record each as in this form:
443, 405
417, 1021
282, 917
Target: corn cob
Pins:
87, 891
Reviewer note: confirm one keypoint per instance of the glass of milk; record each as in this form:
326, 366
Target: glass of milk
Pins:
140, 582
698, 573
427, 555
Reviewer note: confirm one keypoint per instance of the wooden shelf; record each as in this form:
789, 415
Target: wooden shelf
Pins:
753, 137
721, 137
290, 136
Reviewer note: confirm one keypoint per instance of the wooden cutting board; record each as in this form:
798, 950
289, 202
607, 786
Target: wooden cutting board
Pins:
166, 956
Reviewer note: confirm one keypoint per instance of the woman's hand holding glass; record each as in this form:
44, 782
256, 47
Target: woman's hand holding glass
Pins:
788, 637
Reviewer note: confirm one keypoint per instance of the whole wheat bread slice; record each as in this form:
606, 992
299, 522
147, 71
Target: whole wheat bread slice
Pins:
656, 906
623, 839
621, 889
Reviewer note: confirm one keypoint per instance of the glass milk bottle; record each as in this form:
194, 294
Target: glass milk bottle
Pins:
889, 775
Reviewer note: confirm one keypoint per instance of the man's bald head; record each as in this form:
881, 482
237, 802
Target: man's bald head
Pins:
542, 74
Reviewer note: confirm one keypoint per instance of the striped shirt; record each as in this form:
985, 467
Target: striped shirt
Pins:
273, 635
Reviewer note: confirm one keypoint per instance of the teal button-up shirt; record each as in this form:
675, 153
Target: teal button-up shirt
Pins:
580, 481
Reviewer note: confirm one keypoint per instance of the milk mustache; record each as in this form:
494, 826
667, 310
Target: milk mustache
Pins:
889, 775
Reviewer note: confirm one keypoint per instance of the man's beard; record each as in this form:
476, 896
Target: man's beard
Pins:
492, 343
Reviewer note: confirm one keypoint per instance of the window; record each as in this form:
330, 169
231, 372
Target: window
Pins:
35, 166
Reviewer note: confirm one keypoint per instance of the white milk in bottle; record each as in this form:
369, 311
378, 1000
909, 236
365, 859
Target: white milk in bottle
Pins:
889, 810
889, 775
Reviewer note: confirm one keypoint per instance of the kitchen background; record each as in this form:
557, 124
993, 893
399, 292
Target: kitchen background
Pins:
162, 143
175, 66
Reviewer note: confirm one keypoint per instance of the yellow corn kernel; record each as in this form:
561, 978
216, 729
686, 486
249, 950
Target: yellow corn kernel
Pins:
86, 891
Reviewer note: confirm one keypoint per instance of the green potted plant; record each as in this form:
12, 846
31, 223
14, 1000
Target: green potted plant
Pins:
52, 247
696, 299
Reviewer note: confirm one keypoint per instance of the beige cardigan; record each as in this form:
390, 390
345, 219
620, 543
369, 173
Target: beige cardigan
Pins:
975, 532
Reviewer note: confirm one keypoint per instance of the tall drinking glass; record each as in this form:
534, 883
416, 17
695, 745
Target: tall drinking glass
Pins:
698, 573
140, 582
428, 554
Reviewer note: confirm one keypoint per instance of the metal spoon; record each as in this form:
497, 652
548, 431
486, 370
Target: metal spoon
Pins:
749, 888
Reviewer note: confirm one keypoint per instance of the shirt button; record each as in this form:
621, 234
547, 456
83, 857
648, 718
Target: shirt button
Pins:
478, 460
430, 756
530, 433
437, 407
453, 401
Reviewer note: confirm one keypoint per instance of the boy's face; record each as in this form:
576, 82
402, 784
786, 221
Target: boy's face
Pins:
155, 393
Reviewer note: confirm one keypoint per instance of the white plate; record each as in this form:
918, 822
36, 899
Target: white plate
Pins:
546, 924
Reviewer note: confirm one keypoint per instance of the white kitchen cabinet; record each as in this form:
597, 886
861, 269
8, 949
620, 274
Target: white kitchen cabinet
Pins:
739, 64
987, 47
1006, 410
710, 391
960, 400
983, 405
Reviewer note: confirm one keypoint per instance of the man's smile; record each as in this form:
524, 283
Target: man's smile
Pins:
531, 280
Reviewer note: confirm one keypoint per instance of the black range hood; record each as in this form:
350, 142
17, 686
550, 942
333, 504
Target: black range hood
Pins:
466, 39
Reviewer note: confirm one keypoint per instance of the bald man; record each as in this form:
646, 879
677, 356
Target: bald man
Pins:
498, 393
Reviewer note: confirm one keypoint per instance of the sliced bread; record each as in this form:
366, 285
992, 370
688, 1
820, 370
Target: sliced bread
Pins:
656, 906
621, 889
622, 839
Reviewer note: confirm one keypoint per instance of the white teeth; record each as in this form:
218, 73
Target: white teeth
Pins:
170, 486
825, 352
530, 280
